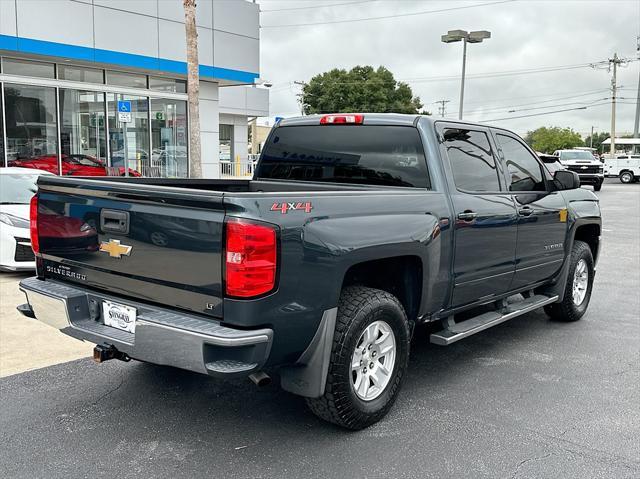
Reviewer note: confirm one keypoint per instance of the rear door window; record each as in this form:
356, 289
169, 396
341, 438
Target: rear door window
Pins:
472, 160
362, 154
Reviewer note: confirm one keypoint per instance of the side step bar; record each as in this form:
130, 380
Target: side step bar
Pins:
458, 331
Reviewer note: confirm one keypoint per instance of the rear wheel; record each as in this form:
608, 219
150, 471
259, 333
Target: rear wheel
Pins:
577, 291
626, 177
369, 359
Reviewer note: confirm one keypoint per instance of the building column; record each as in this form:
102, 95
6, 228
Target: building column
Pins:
209, 129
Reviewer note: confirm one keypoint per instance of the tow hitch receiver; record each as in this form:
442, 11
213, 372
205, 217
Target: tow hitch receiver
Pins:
104, 352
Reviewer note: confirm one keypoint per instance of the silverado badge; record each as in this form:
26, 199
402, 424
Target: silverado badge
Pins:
115, 249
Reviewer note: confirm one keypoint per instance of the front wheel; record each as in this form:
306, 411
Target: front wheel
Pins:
597, 186
369, 358
626, 177
578, 288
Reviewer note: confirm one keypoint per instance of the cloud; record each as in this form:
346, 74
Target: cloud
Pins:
525, 35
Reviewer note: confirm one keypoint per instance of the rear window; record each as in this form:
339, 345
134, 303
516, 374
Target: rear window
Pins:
372, 155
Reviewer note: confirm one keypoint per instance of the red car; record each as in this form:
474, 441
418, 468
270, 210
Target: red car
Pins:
72, 165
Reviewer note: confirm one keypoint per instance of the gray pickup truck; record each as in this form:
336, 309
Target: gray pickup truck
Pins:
355, 229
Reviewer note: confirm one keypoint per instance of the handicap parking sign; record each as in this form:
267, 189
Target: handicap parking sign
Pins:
124, 106
124, 111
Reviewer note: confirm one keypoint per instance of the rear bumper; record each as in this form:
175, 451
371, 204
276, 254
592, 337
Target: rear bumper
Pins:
162, 336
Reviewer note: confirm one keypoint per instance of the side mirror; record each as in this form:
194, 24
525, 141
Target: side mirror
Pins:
566, 180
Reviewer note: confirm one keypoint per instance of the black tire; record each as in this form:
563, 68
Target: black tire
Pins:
567, 309
626, 177
597, 186
359, 307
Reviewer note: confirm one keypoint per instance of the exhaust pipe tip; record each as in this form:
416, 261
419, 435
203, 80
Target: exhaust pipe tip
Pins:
260, 379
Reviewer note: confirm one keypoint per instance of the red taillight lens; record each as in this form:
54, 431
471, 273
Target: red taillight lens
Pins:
342, 120
251, 258
33, 224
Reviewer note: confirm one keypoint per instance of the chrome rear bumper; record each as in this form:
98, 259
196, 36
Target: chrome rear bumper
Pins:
162, 336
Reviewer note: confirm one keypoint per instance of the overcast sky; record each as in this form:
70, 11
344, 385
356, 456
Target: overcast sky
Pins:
525, 35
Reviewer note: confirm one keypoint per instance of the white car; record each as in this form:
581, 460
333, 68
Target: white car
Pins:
17, 186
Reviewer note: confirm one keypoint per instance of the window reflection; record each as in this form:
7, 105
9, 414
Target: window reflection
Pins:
32, 135
82, 129
169, 139
134, 148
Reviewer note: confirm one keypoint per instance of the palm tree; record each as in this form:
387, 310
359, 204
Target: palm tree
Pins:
193, 88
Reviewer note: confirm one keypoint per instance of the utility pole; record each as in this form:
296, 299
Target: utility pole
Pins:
442, 107
591, 138
615, 61
300, 95
637, 122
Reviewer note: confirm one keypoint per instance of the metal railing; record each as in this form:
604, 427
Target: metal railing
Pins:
237, 169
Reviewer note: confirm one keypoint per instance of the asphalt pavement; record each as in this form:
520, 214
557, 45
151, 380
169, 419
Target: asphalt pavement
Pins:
530, 398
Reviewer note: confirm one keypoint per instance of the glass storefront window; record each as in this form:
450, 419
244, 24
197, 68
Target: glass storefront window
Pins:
226, 143
2, 158
31, 125
167, 84
12, 66
134, 147
82, 131
130, 80
80, 74
169, 139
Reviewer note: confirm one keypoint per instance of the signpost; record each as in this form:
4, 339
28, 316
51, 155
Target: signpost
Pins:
124, 116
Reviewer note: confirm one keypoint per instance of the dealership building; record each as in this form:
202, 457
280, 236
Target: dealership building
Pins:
66, 66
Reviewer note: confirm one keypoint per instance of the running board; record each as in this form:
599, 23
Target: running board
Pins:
458, 331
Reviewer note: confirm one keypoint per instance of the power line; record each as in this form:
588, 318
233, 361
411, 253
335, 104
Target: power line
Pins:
580, 93
510, 108
315, 6
481, 75
384, 17
546, 113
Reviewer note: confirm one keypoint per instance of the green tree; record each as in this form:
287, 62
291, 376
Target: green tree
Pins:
361, 89
548, 139
598, 138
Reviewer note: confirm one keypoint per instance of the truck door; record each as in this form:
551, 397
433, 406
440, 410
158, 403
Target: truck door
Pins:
542, 214
485, 215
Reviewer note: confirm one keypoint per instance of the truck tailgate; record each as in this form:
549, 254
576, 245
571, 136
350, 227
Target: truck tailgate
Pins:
152, 243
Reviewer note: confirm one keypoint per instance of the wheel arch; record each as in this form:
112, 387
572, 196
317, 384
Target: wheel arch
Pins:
401, 276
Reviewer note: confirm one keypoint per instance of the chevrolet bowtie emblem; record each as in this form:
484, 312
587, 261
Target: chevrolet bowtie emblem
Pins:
115, 249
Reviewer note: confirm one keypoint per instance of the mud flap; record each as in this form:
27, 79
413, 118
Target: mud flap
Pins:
308, 376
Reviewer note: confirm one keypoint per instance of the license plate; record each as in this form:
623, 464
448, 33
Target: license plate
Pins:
119, 316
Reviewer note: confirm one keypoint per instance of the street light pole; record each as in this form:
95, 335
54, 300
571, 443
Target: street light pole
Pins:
466, 37
464, 68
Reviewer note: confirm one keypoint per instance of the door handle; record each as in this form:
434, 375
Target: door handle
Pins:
467, 215
525, 211
114, 221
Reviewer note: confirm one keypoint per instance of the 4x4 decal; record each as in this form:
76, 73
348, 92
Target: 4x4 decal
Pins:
284, 208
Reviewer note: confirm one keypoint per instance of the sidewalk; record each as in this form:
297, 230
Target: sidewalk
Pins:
25, 343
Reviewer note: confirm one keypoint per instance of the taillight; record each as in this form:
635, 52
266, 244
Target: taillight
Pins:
33, 224
342, 119
251, 258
